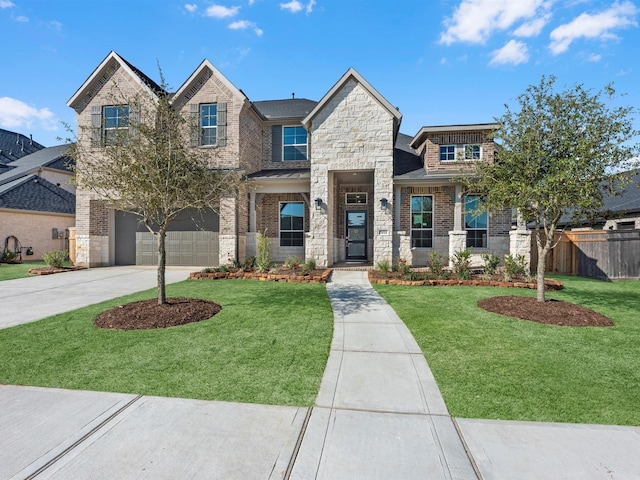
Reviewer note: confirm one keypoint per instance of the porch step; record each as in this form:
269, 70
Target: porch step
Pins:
352, 266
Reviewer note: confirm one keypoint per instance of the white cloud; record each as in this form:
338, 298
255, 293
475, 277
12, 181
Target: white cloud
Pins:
310, 6
6, 4
55, 25
294, 6
513, 53
474, 21
219, 11
17, 114
191, 7
594, 57
246, 24
599, 25
22, 19
533, 28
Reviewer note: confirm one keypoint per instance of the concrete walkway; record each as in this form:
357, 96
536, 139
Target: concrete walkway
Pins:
379, 415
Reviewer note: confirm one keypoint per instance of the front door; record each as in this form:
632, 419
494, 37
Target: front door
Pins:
356, 234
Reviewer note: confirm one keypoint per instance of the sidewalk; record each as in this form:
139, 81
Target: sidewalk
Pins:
379, 415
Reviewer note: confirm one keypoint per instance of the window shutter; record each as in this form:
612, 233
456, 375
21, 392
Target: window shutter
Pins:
308, 145
222, 124
194, 113
134, 121
96, 125
276, 143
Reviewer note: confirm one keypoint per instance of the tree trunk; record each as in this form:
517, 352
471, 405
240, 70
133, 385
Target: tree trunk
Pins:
543, 251
162, 261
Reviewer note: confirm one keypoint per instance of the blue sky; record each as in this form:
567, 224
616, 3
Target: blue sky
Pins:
439, 61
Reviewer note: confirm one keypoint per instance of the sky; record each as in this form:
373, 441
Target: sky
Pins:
441, 62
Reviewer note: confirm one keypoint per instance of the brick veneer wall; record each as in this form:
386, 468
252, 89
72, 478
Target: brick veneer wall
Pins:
430, 149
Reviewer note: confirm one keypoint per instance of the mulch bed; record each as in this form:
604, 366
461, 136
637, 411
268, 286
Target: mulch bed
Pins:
551, 312
148, 314
282, 275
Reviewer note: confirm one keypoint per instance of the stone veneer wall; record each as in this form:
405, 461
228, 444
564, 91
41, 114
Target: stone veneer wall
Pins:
352, 132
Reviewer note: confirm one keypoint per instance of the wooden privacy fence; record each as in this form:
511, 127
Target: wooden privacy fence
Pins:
603, 254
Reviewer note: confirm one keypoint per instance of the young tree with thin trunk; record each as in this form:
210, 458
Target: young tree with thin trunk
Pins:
557, 154
146, 166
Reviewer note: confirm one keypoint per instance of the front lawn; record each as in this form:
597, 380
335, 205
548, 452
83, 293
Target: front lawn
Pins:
491, 366
269, 344
11, 271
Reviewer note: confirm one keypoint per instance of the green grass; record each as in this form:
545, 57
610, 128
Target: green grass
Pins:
11, 271
268, 345
492, 366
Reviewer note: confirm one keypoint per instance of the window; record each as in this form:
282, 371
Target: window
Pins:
447, 153
472, 152
294, 144
358, 198
422, 221
475, 222
468, 152
291, 224
115, 123
208, 124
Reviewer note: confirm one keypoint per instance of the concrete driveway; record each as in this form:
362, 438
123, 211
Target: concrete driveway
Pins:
28, 299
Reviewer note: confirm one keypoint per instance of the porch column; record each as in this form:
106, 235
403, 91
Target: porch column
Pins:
397, 205
520, 240
458, 236
251, 236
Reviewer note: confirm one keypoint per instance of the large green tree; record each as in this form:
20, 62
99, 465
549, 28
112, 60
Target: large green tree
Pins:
557, 154
147, 166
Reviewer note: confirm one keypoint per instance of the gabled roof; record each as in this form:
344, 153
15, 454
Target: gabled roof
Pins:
349, 75
285, 109
52, 157
15, 145
34, 193
472, 127
101, 74
200, 75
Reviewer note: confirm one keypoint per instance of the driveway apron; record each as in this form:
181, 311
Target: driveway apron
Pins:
379, 412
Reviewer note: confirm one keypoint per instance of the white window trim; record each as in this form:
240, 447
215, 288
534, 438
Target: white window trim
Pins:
464, 213
306, 144
201, 136
460, 152
366, 198
433, 215
280, 226
106, 129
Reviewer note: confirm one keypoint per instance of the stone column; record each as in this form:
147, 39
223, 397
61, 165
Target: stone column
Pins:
227, 247
317, 242
520, 244
457, 242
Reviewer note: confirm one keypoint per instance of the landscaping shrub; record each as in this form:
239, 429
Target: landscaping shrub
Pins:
436, 263
491, 262
462, 264
292, 263
55, 258
263, 258
403, 267
514, 266
383, 266
311, 263
7, 256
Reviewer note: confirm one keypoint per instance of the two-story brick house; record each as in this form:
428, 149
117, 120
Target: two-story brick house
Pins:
332, 180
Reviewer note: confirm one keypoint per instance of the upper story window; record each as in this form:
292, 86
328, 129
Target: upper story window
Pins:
475, 222
115, 123
208, 123
466, 152
294, 144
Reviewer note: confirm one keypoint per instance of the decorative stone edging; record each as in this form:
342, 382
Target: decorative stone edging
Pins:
265, 277
550, 283
51, 270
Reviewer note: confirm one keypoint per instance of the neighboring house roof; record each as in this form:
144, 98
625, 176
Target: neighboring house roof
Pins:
52, 157
614, 206
34, 193
349, 75
14, 146
102, 73
288, 108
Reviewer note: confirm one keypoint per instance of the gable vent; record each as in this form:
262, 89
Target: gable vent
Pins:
100, 82
197, 85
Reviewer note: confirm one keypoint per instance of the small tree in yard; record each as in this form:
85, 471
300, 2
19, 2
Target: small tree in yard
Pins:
557, 155
149, 168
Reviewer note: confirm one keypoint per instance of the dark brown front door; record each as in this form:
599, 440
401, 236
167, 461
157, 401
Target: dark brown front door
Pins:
356, 234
